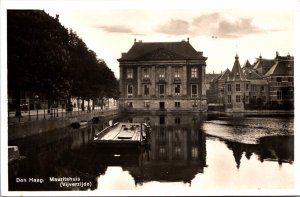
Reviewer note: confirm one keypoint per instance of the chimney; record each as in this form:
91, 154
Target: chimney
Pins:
135, 40
57, 17
188, 39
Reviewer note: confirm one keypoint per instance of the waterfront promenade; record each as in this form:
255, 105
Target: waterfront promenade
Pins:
37, 123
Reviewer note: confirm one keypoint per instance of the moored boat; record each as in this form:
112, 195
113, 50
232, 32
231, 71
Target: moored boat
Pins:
123, 136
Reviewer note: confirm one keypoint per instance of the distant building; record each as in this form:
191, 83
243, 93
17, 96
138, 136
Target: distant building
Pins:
162, 76
280, 78
236, 89
267, 84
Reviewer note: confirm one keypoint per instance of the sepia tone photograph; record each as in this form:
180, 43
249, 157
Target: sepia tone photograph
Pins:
149, 98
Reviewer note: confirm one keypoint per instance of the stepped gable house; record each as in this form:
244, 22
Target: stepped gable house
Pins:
163, 76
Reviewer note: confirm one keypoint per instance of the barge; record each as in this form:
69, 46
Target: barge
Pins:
123, 136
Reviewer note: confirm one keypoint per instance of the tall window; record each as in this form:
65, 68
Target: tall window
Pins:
146, 73
177, 72
161, 89
146, 90
129, 73
161, 73
229, 87
247, 87
279, 95
130, 91
238, 87
229, 99
177, 90
194, 88
177, 104
238, 98
194, 72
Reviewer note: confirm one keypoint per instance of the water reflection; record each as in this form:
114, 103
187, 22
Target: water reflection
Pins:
177, 151
182, 150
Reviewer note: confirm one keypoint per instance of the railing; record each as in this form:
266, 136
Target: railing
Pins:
40, 111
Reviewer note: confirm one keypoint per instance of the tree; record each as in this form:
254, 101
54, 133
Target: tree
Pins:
38, 56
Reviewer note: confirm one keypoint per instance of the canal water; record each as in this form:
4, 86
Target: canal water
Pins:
186, 151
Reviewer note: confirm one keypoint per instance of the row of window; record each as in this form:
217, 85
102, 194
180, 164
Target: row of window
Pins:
238, 98
288, 95
237, 87
162, 72
176, 104
161, 88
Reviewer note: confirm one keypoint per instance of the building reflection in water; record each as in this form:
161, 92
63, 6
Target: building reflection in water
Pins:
177, 151
271, 148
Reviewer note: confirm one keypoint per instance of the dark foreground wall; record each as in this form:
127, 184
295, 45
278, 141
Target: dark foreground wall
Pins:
26, 129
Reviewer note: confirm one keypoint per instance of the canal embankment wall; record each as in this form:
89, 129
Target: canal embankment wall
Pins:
30, 128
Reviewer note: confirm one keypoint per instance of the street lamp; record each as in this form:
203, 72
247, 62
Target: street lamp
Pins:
36, 97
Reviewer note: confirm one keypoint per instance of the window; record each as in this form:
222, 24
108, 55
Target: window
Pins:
247, 87
130, 91
177, 90
177, 73
161, 89
229, 99
238, 98
194, 90
279, 95
229, 87
177, 104
129, 73
146, 90
291, 79
177, 121
129, 104
194, 72
146, 73
247, 99
262, 88
278, 79
238, 87
161, 73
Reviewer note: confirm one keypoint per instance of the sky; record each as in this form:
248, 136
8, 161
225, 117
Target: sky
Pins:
219, 29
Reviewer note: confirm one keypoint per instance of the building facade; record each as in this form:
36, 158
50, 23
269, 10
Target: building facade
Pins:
162, 76
267, 84
236, 89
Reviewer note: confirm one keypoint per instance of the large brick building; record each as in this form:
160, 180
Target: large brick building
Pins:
162, 76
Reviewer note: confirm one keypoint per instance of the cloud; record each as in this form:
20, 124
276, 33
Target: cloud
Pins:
116, 29
174, 27
213, 24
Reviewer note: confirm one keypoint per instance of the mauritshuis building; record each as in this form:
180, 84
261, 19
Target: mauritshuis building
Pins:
163, 76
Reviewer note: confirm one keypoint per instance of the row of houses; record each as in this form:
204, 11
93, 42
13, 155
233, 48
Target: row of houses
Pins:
267, 83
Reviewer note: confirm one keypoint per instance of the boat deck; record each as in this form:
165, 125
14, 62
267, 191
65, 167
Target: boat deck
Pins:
123, 132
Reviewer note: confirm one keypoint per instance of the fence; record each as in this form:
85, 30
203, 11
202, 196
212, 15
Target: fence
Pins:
38, 110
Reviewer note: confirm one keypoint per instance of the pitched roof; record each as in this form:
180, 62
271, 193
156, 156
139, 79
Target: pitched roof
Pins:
210, 77
282, 68
162, 50
250, 73
247, 64
264, 63
236, 73
225, 75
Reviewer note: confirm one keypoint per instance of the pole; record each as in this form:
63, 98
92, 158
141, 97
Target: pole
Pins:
44, 111
29, 109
